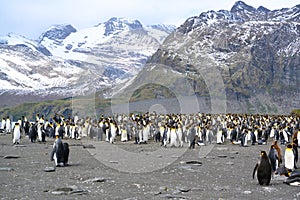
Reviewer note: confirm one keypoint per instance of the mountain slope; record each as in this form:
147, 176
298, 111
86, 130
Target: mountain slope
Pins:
242, 60
66, 61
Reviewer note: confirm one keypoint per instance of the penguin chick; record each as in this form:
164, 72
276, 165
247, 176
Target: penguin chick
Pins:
279, 152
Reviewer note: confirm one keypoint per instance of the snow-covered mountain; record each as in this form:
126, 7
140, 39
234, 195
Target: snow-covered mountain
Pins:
246, 58
70, 61
119, 46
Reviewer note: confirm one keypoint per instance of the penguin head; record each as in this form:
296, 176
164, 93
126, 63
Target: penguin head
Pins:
294, 139
263, 153
289, 146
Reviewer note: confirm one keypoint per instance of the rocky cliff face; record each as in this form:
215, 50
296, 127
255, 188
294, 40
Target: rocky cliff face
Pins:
250, 56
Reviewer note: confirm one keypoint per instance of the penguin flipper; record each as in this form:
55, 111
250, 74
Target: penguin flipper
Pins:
255, 168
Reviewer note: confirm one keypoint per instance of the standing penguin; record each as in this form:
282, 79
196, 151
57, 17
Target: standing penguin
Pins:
192, 137
8, 125
3, 124
16, 133
279, 152
41, 132
295, 149
273, 158
112, 131
298, 137
66, 153
124, 136
264, 170
173, 136
289, 158
220, 136
180, 135
57, 153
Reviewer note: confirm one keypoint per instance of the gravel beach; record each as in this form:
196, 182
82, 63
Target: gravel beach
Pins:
98, 171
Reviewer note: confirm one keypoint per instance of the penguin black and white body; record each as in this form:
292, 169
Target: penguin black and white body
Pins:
289, 158
253, 137
180, 134
41, 132
233, 134
26, 127
220, 136
124, 134
33, 132
8, 125
3, 124
57, 153
106, 131
264, 170
160, 132
139, 137
293, 178
243, 138
66, 153
165, 138
173, 136
16, 133
84, 130
298, 137
112, 132
192, 137
100, 132
279, 152
295, 150
210, 135
264, 134
247, 138
146, 132
273, 158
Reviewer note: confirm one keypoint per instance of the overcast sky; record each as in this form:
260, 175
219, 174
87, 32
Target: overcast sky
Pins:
31, 18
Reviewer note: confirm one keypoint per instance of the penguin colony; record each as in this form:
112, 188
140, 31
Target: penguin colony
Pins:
178, 130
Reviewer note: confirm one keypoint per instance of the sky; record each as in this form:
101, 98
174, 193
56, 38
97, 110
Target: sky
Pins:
31, 18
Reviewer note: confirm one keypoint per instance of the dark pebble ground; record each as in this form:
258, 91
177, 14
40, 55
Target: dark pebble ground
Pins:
206, 172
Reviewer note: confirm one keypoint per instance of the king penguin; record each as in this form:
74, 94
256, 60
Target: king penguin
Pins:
16, 133
273, 158
295, 149
264, 170
293, 178
57, 153
279, 152
220, 136
289, 157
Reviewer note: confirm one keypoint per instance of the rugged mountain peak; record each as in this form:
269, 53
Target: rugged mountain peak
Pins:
115, 25
255, 52
241, 6
263, 9
288, 14
58, 32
